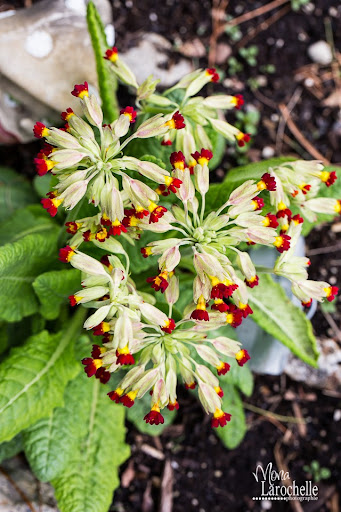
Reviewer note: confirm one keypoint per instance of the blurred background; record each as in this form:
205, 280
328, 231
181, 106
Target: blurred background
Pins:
284, 57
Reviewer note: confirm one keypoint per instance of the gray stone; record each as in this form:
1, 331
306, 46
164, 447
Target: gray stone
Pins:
321, 53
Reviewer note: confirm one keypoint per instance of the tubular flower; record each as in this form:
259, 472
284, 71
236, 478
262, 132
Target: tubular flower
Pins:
282, 243
267, 182
67, 114
159, 282
220, 418
234, 316
242, 138
203, 157
130, 113
177, 159
154, 417
40, 130
200, 312
111, 54
212, 74
176, 122
242, 357
80, 91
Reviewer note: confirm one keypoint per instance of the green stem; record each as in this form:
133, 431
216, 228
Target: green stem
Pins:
264, 270
157, 110
269, 414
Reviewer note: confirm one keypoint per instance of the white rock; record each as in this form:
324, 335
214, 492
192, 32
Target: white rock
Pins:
321, 53
39, 44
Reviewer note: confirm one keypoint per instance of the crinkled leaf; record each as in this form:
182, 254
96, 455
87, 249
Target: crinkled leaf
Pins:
50, 442
106, 79
277, 315
20, 263
11, 448
233, 433
25, 221
15, 192
53, 289
91, 475
218, 146
33, 378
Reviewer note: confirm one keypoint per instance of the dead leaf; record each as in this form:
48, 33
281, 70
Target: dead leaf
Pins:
193, 48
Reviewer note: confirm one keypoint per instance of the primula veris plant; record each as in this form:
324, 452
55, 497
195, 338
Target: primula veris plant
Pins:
155, 262
88, 160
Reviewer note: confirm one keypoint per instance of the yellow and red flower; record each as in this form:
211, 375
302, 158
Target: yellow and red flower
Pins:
117, 228
111, 54
67, 114
160, 282
267, 182
237, 101
146, 251
101, 329
156, 212
80, 90
297, 219
282, 243
51, 204
242, 138
328, 178
242, 357
154, 417
212, 73
177, 159
331, 293
222, 289
169, 326
130, 113
66, 253
124, 356
270, 221
72, 227
234, 316
200, 312
177, 121
105, 261
220, 305
128, 400
223, 368
245, 309
40, 130
258, 203
252, 282
173, 405
116, 395
172, 184
203, 157
219, 391
220, 418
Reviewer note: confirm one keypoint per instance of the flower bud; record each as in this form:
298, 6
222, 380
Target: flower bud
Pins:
146, 88
92, 110
172, 291
152, 127
97, 317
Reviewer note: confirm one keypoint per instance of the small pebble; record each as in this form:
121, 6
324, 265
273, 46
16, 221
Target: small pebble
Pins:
174, 464
309, 82
321, 53
153, 16
337, 415
333, 280
203, 465
302, 36
274, 118
218, 473
266, 505
190, 474
268, 152
333, 12
280, 43
195, 502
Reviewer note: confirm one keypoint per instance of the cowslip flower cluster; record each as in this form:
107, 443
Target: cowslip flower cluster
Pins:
88, 161
223, 273
96, 170
298, 184
192, 114
137, 334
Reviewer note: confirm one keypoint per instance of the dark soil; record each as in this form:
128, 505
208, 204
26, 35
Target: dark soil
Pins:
206, 476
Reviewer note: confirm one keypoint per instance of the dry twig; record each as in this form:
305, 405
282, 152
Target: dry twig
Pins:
253, 14
19, 491
300, 137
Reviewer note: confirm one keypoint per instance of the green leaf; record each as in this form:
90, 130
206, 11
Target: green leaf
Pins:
140, 409
277, 315
219, 192
50, 442
11, 448
20, 263
233, 433
106, 79
25, 221
15, 192
154, 160
91, 475
240, 377
53, 289
33, 378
